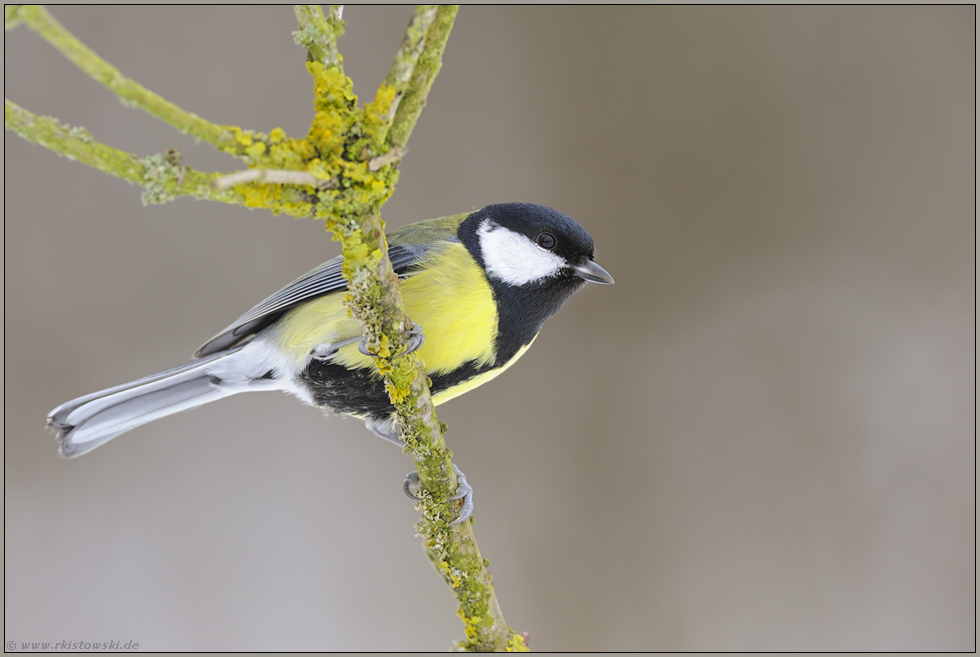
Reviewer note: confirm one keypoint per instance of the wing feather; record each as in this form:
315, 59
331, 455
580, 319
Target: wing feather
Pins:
323, 280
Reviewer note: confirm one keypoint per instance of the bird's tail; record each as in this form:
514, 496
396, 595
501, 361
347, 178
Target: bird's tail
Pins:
87, 422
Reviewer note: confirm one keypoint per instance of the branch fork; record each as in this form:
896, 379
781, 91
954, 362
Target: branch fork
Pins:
347, 194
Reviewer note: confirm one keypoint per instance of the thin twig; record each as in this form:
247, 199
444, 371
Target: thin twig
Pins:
49, 132
318, 33
162, 179
395, 154
270, 176
423, 75
131, 93
408, 54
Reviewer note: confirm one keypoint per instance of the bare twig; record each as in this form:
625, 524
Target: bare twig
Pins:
269, 176
395, 154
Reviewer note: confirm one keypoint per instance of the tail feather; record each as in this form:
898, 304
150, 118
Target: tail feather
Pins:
87, 422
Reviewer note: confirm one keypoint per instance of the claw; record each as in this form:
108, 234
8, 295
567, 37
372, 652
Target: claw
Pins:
411, 485
415, 339
463, 492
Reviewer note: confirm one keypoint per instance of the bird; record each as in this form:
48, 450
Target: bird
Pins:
477, 286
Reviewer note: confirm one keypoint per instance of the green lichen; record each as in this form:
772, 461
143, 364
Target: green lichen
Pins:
306, 37
318, 33
80, 133
162, 179
423, 75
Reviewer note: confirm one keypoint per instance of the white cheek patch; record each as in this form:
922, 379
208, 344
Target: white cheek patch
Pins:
513, 258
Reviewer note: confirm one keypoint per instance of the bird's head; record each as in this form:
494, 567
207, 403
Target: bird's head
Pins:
520, 244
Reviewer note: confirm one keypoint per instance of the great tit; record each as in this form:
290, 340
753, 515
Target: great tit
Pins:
479, 286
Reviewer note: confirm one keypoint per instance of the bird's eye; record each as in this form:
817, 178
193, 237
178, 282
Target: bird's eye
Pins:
547, 241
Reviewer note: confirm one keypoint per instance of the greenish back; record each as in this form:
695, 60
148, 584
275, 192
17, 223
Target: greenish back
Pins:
428, 231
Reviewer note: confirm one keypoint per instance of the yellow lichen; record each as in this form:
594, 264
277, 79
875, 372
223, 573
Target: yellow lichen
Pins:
469, 625
517, 644
376, 111
256, 150
243, 137
336, 150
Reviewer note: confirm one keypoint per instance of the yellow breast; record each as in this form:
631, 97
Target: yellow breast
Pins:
451, 300
478, 380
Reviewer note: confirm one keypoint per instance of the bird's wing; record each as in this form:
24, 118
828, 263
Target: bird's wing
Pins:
323, 280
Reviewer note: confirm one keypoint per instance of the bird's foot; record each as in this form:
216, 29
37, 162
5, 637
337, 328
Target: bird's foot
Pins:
414, 338
385, 427
326, 351
463, 492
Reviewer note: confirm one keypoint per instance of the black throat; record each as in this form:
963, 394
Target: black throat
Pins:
521, 309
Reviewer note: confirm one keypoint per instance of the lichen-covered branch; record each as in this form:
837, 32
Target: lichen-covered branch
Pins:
73, 143
319, 33
424, 73
408, 54
130, 93
162, 176
11, 16
375, 300
342, 172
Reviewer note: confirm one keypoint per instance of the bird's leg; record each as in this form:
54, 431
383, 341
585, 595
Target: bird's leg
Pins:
387, 428
328, 350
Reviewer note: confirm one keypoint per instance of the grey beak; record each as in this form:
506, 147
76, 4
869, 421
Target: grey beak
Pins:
593, 272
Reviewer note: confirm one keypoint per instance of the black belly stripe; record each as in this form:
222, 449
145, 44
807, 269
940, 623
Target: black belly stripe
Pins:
361, 392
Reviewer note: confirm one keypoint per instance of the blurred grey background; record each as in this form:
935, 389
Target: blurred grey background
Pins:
761, 438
